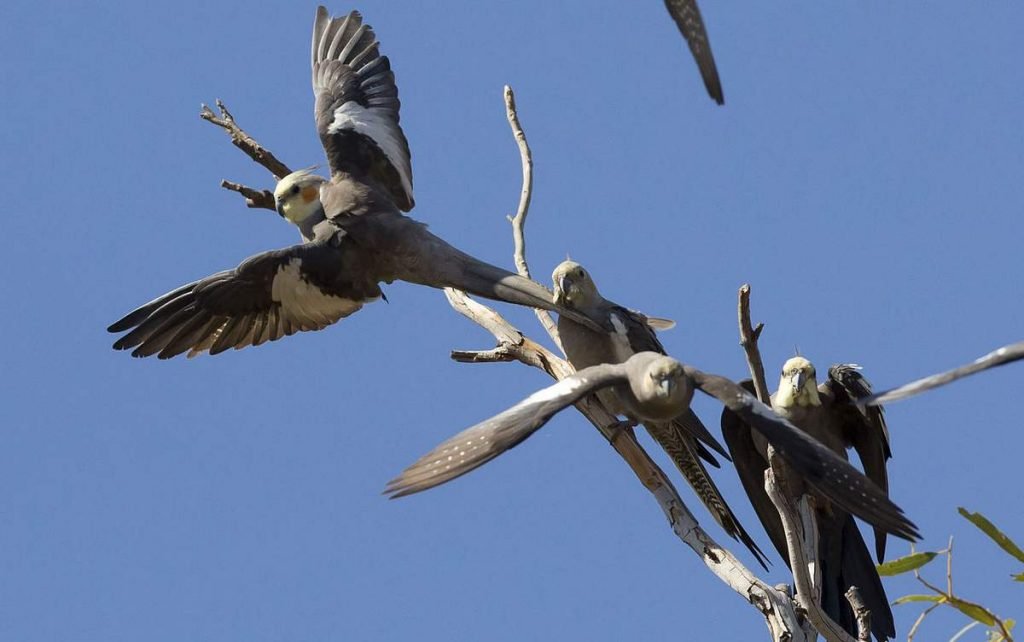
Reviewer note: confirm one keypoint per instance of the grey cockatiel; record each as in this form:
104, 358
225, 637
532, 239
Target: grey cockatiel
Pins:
687, 17
829, 414
354, 233
627, 333
654, 387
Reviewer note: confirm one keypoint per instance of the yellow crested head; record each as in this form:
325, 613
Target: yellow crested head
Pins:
798, 385
297, 195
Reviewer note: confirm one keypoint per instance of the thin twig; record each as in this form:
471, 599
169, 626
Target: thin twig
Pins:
254, 198
748, 340
519, 220
920, 620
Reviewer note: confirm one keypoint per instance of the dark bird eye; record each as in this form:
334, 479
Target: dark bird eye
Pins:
294, 189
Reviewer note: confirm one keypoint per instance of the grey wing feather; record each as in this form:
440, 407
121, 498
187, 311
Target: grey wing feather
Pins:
481, 443
357, 106
687, 17
268, 296
825, 471
863, 427
999, 357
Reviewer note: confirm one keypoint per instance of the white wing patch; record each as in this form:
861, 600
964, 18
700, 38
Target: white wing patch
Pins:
378, 126
304, 303
563, 387
620, 339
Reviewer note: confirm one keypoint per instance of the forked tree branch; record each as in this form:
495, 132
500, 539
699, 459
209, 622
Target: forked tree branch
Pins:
254, 198
748, 340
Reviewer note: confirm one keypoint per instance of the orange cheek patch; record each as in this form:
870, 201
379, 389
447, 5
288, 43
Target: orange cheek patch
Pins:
310, 194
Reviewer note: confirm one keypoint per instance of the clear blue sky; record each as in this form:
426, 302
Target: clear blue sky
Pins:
865, 176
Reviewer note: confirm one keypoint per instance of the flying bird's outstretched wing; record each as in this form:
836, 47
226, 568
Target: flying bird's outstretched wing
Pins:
863, 428
478, 445
357, 106
825, 471
687, 17
268, 296
999, 357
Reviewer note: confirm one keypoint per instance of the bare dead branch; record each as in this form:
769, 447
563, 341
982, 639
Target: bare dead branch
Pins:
861, 612
254, 198
519, 220
801, 531
244, 141
748, 340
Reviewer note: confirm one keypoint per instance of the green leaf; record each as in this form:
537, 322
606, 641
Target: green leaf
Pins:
905, 564
997, 535
1019, 577
974, 611
918, 598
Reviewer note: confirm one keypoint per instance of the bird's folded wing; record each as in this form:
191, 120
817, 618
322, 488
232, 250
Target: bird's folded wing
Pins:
357, 106
687, 17
825, 471
268, 296
999, 357
483, 442
863, 427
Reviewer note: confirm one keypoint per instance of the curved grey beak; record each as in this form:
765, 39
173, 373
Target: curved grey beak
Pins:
666, 385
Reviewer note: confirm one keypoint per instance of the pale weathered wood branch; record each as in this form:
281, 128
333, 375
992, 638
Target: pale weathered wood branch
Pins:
861, 612
525, 196
801, 531
254, 198
748, 340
